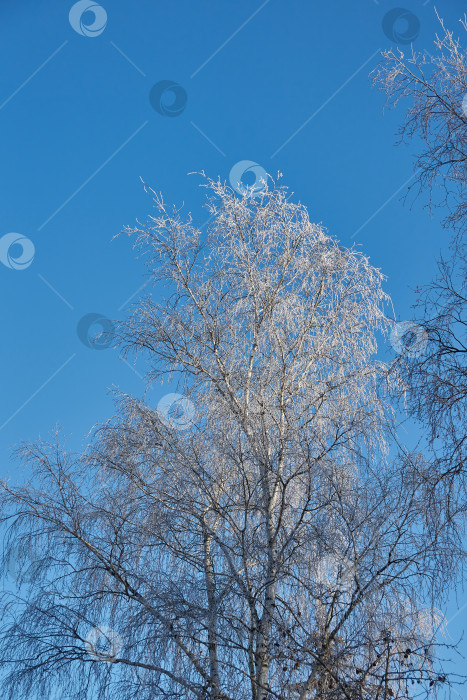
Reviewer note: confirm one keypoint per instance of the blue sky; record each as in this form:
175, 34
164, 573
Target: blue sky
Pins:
283, 83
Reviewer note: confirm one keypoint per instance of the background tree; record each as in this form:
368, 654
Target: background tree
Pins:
434, 88
259, 543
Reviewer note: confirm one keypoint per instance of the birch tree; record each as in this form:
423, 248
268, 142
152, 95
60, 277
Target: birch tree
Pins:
433, 89
260, 540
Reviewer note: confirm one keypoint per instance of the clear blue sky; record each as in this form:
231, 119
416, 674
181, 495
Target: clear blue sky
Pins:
77, 131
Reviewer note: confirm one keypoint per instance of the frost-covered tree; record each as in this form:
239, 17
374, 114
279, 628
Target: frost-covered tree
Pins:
432, 86
259, 542
433, 89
